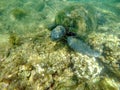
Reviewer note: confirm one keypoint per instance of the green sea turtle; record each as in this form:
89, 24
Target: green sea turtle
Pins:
73, 23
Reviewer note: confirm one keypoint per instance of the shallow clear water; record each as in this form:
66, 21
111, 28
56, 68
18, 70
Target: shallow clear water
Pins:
27, 22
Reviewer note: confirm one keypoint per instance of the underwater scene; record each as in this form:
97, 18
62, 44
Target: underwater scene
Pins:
59, 44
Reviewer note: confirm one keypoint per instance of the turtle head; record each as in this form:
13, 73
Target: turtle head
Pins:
58, 32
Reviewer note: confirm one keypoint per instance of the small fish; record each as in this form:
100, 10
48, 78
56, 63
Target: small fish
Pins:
80, 46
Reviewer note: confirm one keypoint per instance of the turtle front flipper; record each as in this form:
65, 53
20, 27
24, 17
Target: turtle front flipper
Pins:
81, 47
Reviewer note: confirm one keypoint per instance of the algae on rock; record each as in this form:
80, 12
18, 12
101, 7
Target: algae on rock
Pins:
18, 13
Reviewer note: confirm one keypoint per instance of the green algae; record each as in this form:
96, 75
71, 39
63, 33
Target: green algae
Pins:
106, 84
1, 12
18, 13
77, 19
14, 39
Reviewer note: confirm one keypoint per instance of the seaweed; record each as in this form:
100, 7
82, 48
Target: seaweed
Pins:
14, 39
18, 13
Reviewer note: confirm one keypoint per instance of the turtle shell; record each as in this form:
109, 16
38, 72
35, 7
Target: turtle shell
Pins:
79, 19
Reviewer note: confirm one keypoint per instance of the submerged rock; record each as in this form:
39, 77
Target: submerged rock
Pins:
80, 46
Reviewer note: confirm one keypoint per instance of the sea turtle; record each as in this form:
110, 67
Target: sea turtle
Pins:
73, 23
